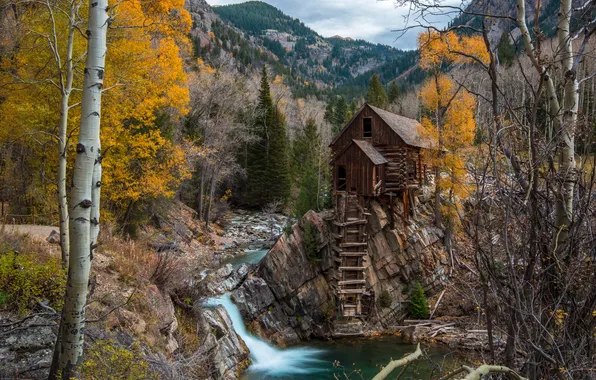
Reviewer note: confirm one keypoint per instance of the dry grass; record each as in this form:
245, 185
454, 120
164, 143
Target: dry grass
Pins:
135, 261
23, 243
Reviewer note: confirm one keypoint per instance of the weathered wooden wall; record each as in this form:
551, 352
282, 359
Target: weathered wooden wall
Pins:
361, 172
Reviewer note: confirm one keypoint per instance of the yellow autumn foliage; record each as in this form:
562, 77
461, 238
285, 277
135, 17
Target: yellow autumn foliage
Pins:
145, 95
455, 132
449, 110
437, 48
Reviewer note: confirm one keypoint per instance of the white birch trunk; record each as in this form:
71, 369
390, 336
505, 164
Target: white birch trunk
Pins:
564, 209
84, 192
564, 118
62, 145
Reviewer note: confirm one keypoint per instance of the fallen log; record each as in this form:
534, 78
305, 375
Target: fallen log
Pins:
393, 364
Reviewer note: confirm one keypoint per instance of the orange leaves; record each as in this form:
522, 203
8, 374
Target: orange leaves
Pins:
457, 107
437, 91
153, 168
145, 94
435, 48
450, 112
474, 49
204, 67
167, 17
278, 79
447, 47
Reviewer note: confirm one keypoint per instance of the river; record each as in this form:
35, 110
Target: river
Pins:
358, 358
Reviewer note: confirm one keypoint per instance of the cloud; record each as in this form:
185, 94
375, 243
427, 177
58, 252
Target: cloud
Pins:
369, 20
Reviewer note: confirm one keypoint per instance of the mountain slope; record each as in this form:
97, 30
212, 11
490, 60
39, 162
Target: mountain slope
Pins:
325, 62
255, 33
547, 21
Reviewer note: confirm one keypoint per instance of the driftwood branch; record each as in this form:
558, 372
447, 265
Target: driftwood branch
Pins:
398, 363
461, 369
485, 369
438, 302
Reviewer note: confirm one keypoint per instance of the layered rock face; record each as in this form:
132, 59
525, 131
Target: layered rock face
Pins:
291, 295
227, 352
398, 258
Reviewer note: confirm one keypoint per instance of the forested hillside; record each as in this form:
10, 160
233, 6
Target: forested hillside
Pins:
255, 32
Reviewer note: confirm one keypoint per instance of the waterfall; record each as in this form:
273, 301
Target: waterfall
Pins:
268, 360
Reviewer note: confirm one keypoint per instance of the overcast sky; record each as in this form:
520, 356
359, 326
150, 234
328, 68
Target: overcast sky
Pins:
369, 20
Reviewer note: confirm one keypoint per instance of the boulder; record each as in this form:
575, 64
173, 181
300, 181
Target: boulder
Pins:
53, 237
26, 348
227, 279
253, 297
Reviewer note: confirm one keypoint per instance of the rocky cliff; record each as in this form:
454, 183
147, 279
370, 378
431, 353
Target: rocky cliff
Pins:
290, 296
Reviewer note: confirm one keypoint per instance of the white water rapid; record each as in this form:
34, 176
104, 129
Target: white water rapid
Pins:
269, 361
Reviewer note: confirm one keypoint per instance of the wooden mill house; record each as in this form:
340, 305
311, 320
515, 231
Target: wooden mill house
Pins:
376, 155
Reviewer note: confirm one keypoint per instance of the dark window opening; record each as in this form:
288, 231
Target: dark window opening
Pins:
367, 127
341, 178
412, 170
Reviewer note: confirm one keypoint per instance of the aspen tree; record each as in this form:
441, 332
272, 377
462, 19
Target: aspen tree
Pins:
84, 201
66, 80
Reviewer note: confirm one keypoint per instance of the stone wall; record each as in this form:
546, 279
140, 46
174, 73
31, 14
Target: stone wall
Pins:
289, 297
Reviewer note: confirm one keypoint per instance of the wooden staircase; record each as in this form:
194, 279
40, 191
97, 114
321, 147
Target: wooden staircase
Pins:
350, 221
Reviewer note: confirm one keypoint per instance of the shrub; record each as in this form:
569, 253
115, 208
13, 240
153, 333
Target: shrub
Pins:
311, 242
187, 333
385, 299
288, 228
107, 361
25, 279
418, 304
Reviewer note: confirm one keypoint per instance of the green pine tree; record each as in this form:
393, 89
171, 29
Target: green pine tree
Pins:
340, 114
418, 303
505, 50
306, 162
268, 176
311, 242
393, 92
329, 112
376, 95
308, 194
353, 107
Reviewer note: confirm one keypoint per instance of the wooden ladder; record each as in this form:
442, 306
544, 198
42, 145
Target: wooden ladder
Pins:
351, 239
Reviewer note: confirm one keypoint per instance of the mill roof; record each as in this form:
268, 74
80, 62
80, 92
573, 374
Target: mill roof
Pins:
410, 130
367, 148
370, 151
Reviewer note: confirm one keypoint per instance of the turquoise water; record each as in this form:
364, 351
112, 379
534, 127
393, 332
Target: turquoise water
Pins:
359, 359
250, 256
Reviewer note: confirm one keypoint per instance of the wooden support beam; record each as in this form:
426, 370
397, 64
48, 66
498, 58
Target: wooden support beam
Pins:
350, 222
351, 282
351, 291
349, 245
405, 200
351, 254
391, 211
